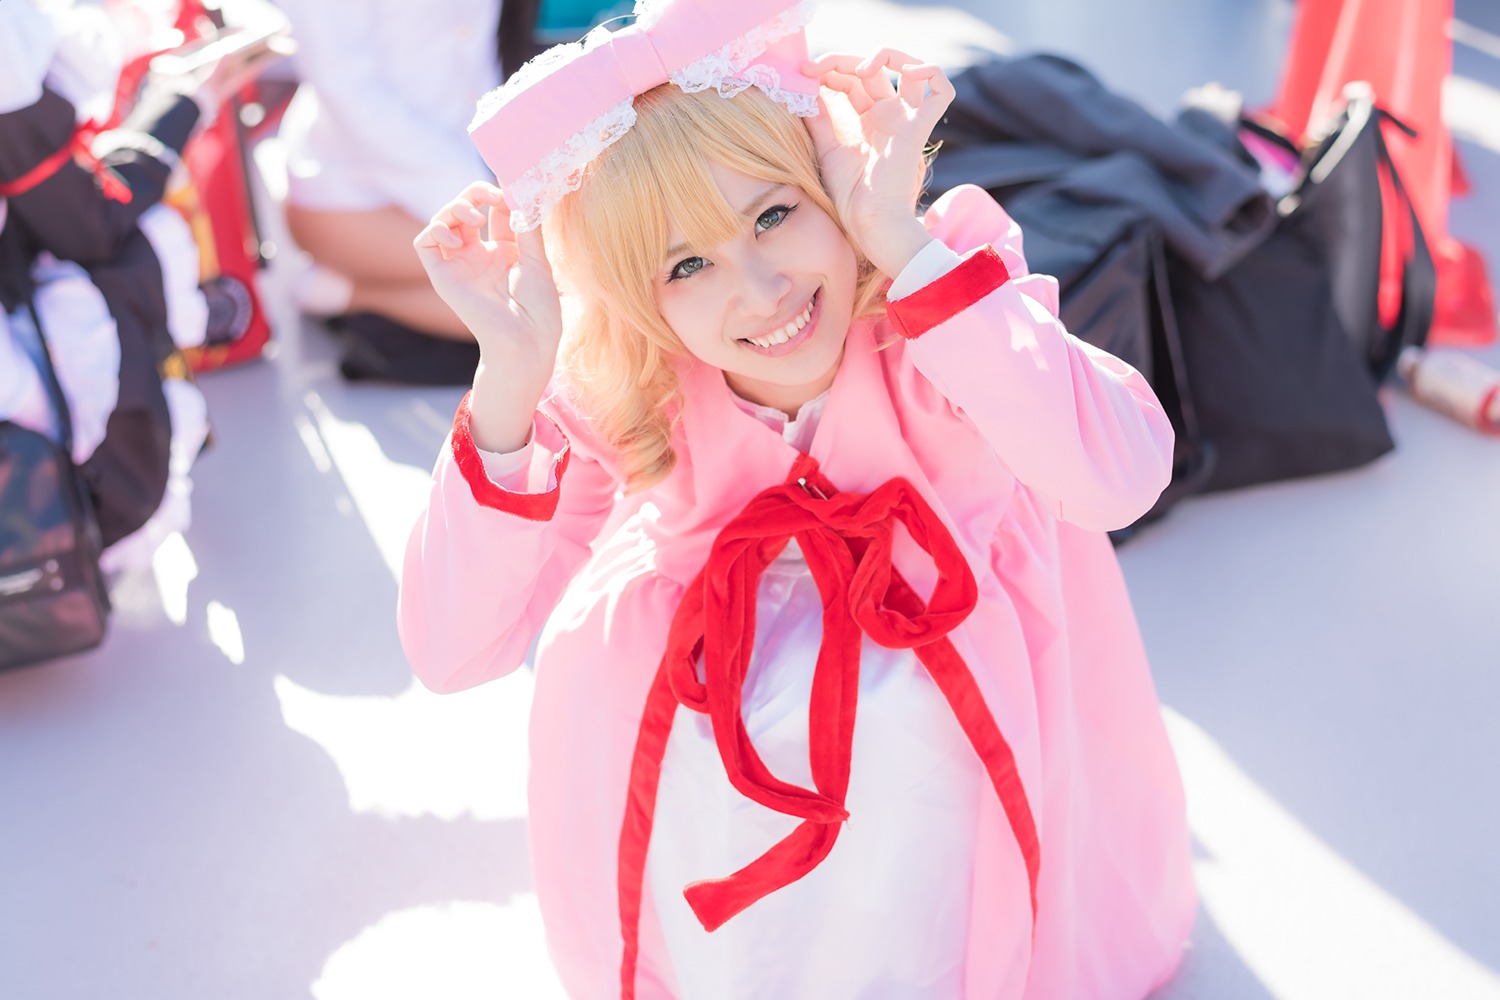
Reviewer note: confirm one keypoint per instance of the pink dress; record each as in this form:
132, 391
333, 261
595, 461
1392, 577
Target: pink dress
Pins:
1028, 837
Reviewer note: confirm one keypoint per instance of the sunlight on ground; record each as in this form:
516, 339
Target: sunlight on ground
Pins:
314, 444
224, 632
1474, 37
1472, 111
387, 494
1305, 922
421, 754
175, 569
461, 951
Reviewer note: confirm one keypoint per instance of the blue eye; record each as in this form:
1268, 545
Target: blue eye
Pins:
766, 221
773, 217
687, 267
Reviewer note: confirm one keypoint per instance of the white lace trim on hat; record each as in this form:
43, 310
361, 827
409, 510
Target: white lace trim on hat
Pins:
730, 70
561, 171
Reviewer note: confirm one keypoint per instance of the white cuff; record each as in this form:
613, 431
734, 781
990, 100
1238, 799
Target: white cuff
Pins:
115, 139
508, 469
930, 263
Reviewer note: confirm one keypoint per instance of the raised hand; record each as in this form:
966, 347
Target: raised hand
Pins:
499, 283
870, 141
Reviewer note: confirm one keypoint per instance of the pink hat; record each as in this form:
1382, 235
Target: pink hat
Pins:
562, 109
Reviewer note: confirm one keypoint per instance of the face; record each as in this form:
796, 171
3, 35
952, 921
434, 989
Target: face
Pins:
770, 307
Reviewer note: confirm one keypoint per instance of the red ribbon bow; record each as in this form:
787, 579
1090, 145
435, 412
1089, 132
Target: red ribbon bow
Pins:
847, 541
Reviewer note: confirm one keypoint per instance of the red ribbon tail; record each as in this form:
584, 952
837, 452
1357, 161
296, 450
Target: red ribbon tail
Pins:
715, 901
113, 187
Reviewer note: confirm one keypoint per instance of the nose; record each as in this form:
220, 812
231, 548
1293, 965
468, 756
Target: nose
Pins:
763, 288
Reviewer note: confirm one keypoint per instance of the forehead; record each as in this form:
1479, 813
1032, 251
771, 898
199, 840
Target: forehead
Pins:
734, 193
739, 189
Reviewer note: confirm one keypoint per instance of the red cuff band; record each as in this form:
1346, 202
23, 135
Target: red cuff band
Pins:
531, 506
960, 288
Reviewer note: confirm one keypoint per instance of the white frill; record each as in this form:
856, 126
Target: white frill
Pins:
730, 69
561, 171
733, 68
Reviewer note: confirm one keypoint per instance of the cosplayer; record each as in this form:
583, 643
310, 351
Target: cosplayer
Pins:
838, 689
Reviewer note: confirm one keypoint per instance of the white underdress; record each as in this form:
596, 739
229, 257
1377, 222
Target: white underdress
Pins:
885, 916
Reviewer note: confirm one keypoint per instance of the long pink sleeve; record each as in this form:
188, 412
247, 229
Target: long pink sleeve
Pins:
1074, 424
485, 565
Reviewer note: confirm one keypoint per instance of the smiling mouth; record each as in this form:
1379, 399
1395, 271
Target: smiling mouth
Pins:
792, 334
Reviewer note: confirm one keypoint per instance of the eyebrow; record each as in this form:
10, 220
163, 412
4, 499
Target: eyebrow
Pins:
746, 212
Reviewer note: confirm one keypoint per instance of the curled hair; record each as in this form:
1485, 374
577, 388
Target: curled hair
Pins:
611, 236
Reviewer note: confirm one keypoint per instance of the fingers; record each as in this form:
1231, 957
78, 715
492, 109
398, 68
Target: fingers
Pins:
841, 71
873, 71
913, 85
533, 248
851, 87
462, 216
864, 67
437, 240
867, 80
499, 220
857, 65
940, 94
461, 222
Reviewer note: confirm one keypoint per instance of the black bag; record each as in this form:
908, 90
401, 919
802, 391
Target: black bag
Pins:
1341, 204
1285, 351
53, 600
1268, 371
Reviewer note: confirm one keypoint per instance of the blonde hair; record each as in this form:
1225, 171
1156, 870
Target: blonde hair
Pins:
610, 239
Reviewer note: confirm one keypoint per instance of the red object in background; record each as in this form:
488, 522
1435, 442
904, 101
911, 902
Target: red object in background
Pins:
217, 205
216, 201
219, 208
1402, 48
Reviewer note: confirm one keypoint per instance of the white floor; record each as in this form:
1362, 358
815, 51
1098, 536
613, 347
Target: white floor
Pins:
244, 796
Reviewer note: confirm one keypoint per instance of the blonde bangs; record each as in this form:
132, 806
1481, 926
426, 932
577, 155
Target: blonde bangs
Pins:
611, 237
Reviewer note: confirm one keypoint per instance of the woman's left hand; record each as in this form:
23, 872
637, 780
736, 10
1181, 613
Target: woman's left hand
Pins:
870, 140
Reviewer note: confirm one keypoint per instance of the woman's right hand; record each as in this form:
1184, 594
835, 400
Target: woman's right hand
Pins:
498, 282
500, 285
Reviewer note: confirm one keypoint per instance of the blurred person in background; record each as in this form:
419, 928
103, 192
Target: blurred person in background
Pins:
377, 141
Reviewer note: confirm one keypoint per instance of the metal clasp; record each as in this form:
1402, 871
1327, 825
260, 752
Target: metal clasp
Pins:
811, 489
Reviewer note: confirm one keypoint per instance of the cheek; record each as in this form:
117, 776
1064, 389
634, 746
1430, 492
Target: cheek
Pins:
842, 268
690, 317
672, 304
834, 251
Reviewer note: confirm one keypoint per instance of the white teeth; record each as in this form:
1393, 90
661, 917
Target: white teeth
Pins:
785, 333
